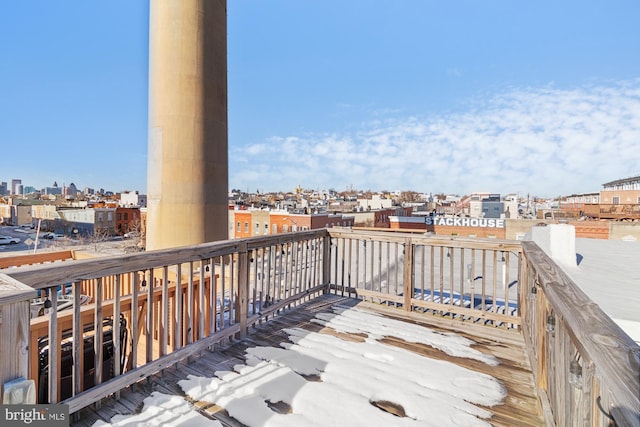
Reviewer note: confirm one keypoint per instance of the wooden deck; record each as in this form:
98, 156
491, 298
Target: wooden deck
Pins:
519, 408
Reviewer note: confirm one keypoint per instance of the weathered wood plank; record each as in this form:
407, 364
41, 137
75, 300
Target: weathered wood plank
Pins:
14, 330
77, 340
42, 276
519, 408
54, 347
407, 278
12, 290
31, 259
243, 285
94, 394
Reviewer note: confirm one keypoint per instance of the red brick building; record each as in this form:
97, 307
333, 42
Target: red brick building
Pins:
128, 220
255, 222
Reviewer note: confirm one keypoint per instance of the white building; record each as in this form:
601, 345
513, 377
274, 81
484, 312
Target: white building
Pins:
492, 206
87, 222
133, 199
376, 202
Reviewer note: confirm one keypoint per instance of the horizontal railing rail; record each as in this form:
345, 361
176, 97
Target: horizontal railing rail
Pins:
32, 259
587, 369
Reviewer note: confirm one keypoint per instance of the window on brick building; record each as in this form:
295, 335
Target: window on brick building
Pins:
615, 200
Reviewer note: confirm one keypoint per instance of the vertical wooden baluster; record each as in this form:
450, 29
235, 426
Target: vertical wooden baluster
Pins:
117, 342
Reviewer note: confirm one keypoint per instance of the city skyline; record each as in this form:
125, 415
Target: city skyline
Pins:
28, 186
453, 98
348, 189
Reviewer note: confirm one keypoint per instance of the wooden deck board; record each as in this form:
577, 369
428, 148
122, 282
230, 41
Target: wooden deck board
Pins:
519, 408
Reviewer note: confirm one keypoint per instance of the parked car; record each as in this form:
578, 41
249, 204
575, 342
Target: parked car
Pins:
6, 240
52, 236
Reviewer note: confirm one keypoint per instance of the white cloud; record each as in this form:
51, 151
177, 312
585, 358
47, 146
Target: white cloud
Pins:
545, 141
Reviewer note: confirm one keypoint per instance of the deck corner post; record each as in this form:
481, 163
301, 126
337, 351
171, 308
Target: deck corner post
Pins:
243, 289
326, 263
407, 274
15, 300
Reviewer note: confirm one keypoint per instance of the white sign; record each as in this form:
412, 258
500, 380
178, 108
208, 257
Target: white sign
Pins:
466, 222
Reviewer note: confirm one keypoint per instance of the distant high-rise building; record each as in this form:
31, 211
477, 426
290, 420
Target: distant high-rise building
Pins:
14, 186
71, 190
3, 188
52, 191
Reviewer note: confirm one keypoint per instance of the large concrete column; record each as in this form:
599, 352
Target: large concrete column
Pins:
187, 158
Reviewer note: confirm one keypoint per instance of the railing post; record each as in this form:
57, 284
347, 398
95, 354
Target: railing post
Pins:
15, 316
326, 263
243, 289
407, 274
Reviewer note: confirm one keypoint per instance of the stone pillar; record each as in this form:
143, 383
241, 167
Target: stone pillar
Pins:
187, 157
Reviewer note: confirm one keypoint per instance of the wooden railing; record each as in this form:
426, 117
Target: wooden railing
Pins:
470, 279
149, 310
586, 368
610, 211
156, 308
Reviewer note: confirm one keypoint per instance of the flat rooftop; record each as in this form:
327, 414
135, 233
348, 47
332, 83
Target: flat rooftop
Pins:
608, 271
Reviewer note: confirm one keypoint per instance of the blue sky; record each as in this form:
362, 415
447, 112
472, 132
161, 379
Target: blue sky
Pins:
454, 97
